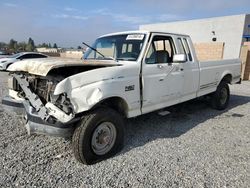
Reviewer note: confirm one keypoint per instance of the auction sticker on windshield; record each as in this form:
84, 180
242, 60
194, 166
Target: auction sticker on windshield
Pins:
135, 37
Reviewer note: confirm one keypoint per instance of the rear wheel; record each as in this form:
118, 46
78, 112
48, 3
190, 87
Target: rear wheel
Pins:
220, 98
98, 136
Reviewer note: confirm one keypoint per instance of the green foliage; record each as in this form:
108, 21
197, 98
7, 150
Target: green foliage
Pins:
21, 46
12, 45
30, 46
3, 45
54, 46
43, 45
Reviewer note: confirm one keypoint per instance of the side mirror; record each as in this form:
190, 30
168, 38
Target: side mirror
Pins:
180, 58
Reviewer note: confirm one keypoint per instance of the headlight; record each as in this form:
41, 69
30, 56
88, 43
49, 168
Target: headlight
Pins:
13, 84
10, 82
3, 61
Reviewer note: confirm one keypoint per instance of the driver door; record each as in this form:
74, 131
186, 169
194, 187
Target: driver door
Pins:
162, 79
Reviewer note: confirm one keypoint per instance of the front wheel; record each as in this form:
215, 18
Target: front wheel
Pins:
220, 98
98, 136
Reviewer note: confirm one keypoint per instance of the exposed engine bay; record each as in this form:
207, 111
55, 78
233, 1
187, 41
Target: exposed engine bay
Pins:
39, 91
36, 83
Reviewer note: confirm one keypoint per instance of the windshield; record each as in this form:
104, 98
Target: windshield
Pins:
15, 55
119, 47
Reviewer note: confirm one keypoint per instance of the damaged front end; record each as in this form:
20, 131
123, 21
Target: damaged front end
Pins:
45, 112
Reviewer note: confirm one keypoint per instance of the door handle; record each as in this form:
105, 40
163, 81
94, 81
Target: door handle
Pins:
160, 66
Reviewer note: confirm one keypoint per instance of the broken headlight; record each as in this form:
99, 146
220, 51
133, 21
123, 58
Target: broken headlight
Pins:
13, 84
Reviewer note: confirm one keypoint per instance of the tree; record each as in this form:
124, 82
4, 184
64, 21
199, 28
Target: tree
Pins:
44, 45
3, 45
49, 46
15, 46
79, 47
12, 44
31, 45
54, 46
21, 46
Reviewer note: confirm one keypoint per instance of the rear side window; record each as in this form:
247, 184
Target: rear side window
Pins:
26, 56
187, 49
39, 56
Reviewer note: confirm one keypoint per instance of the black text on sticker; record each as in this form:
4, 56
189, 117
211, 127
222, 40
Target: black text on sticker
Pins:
130, 88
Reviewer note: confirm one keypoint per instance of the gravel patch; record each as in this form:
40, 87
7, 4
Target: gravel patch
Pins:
195, 146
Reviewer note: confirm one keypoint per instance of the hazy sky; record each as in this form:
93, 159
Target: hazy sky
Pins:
67, 23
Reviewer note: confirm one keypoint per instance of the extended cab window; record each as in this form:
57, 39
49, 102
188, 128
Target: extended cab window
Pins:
188, 49
181, 46
161, 50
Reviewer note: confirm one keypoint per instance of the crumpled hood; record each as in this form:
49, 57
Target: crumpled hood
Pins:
42, 66
109, 74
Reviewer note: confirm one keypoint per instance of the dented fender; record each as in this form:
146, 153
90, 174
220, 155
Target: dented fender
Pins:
89, 88
89, 77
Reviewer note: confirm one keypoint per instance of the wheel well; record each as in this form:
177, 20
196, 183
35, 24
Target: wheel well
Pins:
8, 65
116, 103
227, 78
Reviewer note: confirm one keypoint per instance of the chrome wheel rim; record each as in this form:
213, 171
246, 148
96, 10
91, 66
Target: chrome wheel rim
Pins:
223, 96
103, 138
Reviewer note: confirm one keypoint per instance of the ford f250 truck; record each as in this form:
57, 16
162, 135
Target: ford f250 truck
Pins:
122, 75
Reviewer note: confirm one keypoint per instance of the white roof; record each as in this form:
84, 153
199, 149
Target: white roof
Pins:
126, 32
140, 32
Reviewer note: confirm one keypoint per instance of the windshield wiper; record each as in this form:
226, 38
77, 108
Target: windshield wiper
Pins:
98, 51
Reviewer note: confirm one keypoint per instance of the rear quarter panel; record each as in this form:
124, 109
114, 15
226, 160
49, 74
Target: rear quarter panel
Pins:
212, 72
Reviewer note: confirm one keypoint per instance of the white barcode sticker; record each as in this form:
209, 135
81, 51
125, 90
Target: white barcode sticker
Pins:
135, 37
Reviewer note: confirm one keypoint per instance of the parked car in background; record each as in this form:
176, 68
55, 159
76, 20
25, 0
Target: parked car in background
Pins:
3, 54
7, 61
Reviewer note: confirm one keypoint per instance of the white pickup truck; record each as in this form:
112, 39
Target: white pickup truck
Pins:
122, 75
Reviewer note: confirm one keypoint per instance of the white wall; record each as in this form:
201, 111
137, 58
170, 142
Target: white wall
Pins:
47, 50
227, 29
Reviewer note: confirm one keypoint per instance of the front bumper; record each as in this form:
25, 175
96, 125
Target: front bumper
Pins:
36, 125
12, 105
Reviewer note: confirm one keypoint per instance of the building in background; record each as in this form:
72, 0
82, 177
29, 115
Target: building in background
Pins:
214, 38
62, 52
48, 50
72, 53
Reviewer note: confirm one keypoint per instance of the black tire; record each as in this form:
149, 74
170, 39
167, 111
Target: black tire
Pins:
82, 139
220, 98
